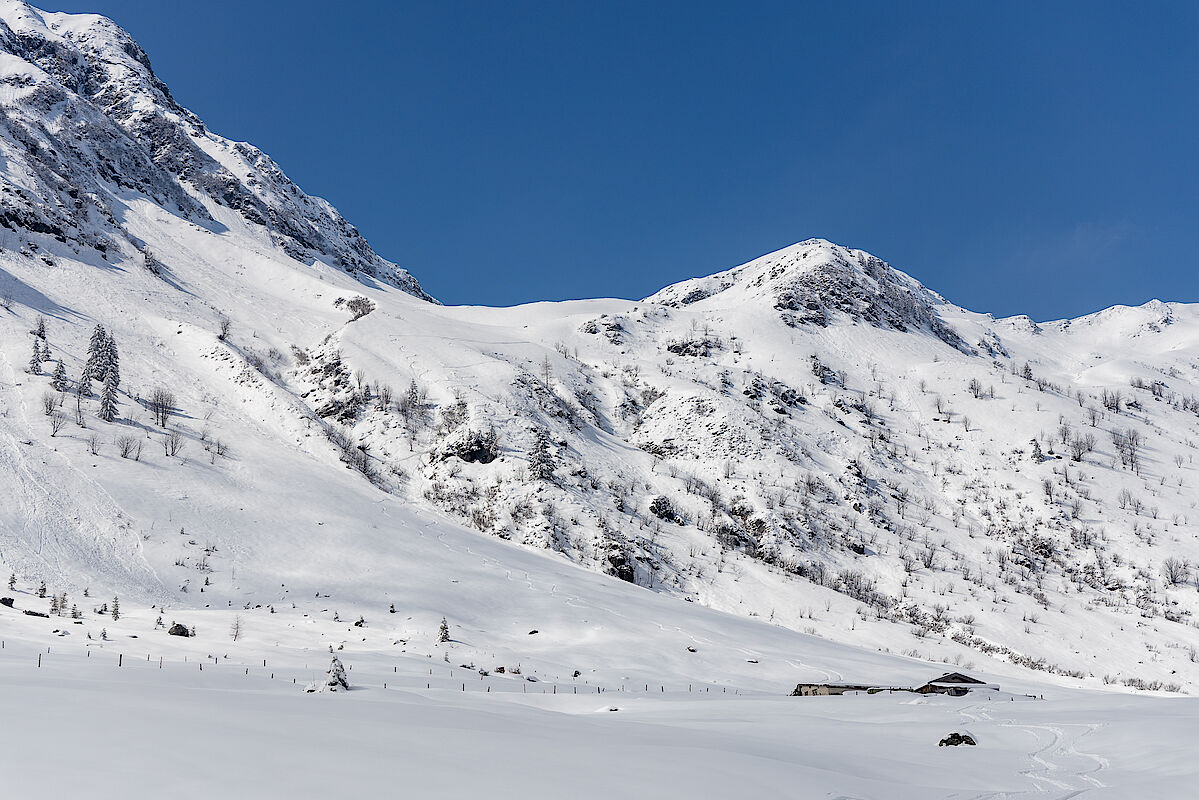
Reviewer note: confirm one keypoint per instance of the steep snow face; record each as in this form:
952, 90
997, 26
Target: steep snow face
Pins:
814, 281
84, 122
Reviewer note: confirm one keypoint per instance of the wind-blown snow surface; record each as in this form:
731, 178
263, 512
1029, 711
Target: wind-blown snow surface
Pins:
806, 468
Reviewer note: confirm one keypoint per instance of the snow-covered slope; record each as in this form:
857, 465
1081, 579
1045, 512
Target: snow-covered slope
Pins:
812, 442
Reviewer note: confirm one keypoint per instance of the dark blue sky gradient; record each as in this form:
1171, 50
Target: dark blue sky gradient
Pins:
1037, 158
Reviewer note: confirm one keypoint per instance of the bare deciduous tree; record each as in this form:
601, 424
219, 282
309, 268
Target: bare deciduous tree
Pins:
57, 420
162, 406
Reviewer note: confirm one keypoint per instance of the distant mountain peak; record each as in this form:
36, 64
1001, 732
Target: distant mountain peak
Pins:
814, 282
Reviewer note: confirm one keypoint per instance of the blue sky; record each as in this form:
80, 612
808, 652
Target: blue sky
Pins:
1035, 158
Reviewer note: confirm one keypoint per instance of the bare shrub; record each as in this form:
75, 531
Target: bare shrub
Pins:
173, 443
126, 445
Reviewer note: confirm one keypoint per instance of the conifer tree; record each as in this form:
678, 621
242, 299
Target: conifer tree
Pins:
112, 361
443, 634
35, 361
12, 582
41, 589
40, 330
541, 461
97, 351
108, 399
59, 379
116, 609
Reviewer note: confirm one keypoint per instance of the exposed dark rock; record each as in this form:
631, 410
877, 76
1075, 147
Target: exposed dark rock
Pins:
955, 739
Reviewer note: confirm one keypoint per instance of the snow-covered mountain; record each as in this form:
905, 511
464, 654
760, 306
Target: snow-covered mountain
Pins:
87, 126
813, 439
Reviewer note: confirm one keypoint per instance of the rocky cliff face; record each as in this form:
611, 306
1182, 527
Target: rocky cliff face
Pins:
85, 123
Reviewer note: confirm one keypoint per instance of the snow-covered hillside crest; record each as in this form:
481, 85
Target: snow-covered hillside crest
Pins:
812, 280
813, 439
85, 122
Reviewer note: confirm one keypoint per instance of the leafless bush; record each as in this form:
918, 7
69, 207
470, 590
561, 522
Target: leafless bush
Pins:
358, 305
1175, 571
173, 443
49, 403
57, 420
384, 396
126, 445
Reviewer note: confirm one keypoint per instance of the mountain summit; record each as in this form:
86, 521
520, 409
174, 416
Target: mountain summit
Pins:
815, 281
86, 126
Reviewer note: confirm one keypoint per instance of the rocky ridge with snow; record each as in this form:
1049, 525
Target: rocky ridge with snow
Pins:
86, 122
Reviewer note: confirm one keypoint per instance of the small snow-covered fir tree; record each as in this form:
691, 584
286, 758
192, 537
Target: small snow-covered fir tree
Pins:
40, 330
97, 354
116, 608
541, 461
335, 680
108, 399
112, 362
443, 633
59, 379
35, 361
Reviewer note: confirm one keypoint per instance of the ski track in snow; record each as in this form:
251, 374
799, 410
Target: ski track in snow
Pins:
1055, 764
